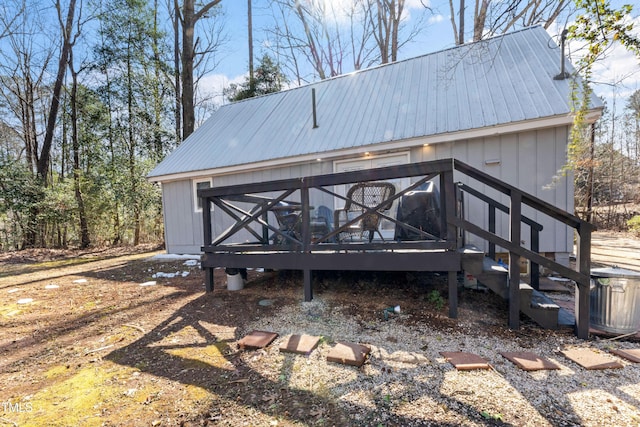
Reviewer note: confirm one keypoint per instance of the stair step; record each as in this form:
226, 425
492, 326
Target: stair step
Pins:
490, 265
536, 305
539, 307
494, 276
472, 259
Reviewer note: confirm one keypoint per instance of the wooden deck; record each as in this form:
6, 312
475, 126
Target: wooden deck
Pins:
299, 244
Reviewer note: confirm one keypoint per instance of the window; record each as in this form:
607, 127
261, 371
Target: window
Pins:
197, 185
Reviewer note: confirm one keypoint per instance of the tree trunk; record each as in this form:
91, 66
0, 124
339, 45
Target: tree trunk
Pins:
188, 109
131, 143
250, 36
85, 240
177, 74
45, 154
189, 19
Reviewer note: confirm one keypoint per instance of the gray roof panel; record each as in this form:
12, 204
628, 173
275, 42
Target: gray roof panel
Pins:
499, 81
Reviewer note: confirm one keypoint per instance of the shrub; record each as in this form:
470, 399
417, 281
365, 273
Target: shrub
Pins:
634, 225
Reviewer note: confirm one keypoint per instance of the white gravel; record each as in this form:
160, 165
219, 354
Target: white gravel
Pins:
407, 382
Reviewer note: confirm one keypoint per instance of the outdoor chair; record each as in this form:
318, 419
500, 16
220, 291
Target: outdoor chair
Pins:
360, 197
289, 222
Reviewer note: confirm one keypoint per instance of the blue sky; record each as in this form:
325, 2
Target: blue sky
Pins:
619, 75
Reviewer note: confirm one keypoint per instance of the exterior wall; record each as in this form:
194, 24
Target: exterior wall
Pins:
182, 225
527, 160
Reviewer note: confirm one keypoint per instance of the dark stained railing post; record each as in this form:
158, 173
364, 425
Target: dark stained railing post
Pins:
265, 229
582, 289
448, 207
206, 221
535, 268
492, 229
515, 213
306, 237
208, 237
449, 196
443, 207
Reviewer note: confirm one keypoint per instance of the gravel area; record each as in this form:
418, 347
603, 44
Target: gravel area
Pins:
407, 382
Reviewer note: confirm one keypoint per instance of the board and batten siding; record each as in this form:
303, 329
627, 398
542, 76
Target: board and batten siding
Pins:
530, 161
182, 225
527, 160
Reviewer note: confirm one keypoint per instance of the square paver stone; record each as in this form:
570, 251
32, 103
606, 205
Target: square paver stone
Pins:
464, 361
528, 361
632, 355
589, 359
349, 354
257, 339
300, 344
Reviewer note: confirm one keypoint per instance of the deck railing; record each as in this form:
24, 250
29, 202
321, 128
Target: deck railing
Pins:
250, 207
514, 246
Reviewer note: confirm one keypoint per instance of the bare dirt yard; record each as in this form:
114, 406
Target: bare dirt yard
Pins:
118, 338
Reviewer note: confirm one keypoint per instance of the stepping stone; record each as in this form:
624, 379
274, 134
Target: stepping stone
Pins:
463, 361
256, 340
349, 354
589, 359
632, 355
529, 361
300, 344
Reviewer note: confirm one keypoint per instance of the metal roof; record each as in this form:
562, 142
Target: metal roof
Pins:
504, 80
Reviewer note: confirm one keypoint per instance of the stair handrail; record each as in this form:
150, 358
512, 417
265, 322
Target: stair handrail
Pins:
513, 245
535, 229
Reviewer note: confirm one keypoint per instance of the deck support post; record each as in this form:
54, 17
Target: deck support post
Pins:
453, 294
582, 289
208, 281
308, 290
207, 237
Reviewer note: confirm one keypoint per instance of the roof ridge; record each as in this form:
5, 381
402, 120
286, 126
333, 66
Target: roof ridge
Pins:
389, 64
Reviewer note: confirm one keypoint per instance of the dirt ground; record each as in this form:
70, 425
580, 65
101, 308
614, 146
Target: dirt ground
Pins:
108, 338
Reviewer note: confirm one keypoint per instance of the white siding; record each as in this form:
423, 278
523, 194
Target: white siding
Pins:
529, 161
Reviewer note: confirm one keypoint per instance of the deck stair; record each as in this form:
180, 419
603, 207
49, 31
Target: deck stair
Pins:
533, 303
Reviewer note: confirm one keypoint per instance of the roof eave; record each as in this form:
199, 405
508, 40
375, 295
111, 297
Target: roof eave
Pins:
525, 125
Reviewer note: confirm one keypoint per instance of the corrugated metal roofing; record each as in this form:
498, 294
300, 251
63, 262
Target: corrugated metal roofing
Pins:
506, 79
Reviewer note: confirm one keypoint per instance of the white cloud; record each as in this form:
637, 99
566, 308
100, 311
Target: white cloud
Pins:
213, 85
435, 19
417, 4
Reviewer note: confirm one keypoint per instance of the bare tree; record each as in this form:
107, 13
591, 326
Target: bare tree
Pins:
188, 19
24, 65
386, 18
9, 15
85, 239
491, 17
633, 105
67, 27
334, 38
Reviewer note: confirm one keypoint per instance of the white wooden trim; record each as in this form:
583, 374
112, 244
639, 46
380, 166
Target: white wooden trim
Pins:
194, 188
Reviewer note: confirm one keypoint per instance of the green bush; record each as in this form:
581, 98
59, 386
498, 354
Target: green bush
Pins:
634, 225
